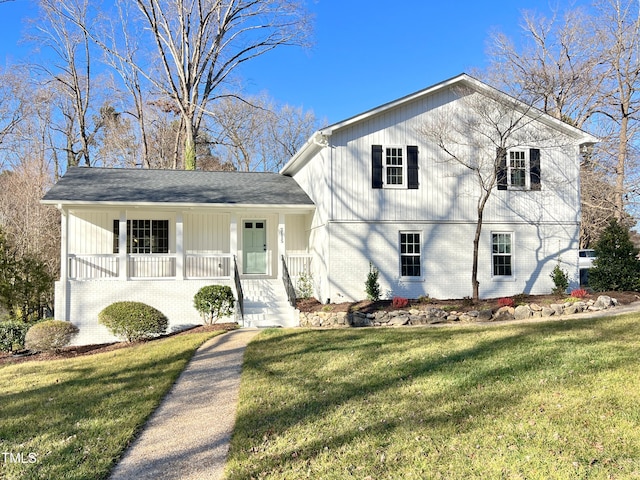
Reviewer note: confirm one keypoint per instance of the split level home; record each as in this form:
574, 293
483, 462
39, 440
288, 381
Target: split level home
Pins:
396, 187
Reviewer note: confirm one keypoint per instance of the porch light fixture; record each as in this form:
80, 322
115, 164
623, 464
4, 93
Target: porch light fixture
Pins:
281, 231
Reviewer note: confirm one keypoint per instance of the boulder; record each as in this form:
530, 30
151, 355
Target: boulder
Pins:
522, 312
503, 314
399, 320
548, 311
603, 302
485, 315
558, 308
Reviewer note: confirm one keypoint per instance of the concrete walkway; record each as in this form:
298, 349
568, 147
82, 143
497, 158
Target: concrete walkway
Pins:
188, 436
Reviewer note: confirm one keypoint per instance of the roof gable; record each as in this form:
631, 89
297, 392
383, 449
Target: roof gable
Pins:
320, 138
82, 185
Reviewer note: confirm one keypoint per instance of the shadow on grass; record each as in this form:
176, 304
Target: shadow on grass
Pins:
310, 376
78, 415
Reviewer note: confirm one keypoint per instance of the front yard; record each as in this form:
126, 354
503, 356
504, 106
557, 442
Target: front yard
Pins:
71, 418
537, 401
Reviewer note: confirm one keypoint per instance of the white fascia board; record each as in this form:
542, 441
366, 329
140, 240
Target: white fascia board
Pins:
311, 147
183, 206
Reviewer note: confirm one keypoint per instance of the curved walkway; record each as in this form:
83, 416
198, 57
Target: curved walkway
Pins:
187, 437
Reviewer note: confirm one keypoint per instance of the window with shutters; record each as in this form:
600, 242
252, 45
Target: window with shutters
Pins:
519, 169
394, 166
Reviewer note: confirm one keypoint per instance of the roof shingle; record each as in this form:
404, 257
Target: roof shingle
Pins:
119, 185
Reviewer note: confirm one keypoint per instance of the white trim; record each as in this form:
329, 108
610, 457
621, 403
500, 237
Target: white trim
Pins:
385, 167
512, 254
411, 278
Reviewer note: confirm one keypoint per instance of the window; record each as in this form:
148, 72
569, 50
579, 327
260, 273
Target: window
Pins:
518, 169
143, 236
394, 167
410, 254
501, 254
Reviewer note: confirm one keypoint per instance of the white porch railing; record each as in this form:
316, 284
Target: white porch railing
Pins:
85, 267
298, 263
89, 267
151, 266
208, 265
196, 265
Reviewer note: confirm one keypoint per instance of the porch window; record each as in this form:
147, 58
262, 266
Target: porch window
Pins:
143, 236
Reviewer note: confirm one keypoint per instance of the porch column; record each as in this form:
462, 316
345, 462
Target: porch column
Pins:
233, 237
62, 303
179, 247
122, 246
282, 234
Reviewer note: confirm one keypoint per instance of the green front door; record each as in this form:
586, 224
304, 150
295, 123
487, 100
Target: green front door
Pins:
254, 245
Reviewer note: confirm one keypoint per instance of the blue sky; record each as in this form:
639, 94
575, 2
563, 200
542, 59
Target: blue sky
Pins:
365, 52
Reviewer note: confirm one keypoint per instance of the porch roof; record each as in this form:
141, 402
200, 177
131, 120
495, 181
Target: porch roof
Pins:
82, 185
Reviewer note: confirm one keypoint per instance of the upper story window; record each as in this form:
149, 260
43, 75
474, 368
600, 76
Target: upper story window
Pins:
519, 169
394, 166
143, 236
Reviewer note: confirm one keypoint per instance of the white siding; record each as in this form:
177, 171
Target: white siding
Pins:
446, 259
206, 232
91, 232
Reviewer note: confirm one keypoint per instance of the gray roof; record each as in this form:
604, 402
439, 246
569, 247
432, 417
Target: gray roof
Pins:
88, 185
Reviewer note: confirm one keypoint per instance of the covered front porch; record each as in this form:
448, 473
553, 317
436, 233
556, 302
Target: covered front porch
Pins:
144, 254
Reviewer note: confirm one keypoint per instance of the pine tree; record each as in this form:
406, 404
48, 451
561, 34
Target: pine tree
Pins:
617, 266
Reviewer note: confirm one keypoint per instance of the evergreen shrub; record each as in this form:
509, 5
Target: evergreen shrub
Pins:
50, 335
133, 321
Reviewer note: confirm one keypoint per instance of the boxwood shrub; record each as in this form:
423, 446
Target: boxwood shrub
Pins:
213, 302
12, 333
49, 335
133, 321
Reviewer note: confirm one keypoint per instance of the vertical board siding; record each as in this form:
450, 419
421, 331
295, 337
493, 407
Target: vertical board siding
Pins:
206, 232
91, 232
447, 191
297, 233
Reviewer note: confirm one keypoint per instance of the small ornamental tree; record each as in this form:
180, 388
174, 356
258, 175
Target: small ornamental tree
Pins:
616, 266
213, 302
560, 280
133, 321
372, 285
50, 335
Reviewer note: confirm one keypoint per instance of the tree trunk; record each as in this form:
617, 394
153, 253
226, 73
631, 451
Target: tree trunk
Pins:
189, 146
620, 169
476, 246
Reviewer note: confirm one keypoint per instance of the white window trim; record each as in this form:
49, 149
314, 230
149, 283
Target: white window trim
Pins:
407, 278
405, 169
527, 169
503, 278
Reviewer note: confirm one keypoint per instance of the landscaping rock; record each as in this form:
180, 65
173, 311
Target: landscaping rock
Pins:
548, 311
558, 308
399, 320
535, 307
522, 312
503, 314
603, 302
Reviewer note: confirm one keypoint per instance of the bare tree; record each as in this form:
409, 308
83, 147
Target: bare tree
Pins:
199, 45
583, 67
70, 72
255, 134
476, 136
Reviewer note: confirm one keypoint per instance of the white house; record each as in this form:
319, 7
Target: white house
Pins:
371, 189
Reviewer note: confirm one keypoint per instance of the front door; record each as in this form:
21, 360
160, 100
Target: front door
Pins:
254, 246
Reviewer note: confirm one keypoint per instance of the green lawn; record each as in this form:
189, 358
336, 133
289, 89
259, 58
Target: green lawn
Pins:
76, 416
530, 401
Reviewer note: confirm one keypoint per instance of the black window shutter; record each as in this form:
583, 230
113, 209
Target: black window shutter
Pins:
376, 166
534, 168
501, 174
412, 167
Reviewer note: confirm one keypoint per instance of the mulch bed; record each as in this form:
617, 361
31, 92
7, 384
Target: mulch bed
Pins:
461, 305
78, 351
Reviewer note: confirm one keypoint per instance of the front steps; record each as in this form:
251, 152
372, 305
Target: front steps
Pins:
266, 304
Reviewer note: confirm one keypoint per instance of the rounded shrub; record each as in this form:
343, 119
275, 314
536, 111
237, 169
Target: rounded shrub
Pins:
213, 302
49, 335
133, 321
12, 334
